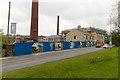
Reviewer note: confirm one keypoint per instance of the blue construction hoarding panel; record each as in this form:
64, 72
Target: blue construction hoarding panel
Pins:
46, 46
92, 43
76, 44
66, 45
22, 48
84, 44
52, 46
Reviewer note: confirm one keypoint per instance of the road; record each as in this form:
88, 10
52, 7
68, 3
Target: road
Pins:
39, 58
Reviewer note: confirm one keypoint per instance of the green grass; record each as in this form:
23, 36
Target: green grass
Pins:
99, 64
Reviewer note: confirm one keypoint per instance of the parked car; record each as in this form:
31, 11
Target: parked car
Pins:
98, 46
113, 45
107, 46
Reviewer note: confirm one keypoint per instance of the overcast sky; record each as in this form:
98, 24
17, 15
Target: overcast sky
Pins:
94, 13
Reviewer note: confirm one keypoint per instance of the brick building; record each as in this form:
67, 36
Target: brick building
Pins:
83, 34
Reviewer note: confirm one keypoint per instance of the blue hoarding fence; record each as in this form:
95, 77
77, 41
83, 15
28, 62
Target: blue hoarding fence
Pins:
66, 45
27, 47
93, 44
84, 44
46, 46
76, 44
52, 46
22, 48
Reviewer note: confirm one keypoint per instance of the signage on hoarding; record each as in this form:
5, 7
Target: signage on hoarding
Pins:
58, 46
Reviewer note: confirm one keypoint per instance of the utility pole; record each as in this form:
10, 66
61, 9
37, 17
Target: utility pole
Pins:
8, 29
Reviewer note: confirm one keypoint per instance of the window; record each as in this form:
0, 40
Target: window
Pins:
90, 38
74, 37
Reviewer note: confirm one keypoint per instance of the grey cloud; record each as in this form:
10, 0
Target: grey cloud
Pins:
20, 11
74, 10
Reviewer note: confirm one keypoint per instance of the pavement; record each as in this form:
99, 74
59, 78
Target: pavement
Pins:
12, 63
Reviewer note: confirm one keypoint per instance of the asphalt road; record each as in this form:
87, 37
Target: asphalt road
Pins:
39, 58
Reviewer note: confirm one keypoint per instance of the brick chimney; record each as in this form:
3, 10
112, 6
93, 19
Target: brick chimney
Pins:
57, 25
34, 21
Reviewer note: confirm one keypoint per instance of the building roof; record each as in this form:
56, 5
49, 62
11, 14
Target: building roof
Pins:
82, 30
55, 36
66, 31
87, 30
99, 31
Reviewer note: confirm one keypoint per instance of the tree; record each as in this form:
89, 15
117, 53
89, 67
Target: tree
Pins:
115, 16
2, 37
115, 38
115, 20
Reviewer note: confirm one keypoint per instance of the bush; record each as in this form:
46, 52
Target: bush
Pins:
100, 59
115, 38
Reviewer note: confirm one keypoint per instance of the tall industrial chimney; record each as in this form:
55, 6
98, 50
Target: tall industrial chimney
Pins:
34, 21
57, 25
